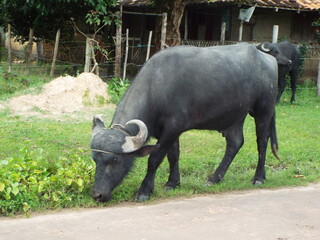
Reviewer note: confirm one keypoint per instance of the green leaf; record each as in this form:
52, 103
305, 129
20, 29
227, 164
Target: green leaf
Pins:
69, 181
4, 162
25, 207
15, 188
80, 182
2, 185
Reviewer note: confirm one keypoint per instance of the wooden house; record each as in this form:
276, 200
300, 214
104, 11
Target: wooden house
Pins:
201, 24
202, 19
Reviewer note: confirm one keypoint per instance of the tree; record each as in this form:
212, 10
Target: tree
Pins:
175, 10
45, 17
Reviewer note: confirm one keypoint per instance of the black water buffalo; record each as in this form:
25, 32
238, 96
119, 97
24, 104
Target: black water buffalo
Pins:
179, 89
291, 52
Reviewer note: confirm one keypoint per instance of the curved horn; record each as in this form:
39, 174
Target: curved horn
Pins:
134, 143
265, 49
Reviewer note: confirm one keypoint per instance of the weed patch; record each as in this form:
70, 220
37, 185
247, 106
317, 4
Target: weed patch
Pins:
116, 89
29, 181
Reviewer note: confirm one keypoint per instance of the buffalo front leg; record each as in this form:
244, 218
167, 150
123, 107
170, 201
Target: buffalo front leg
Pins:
147, 185
234, 139
155, 159
173, 158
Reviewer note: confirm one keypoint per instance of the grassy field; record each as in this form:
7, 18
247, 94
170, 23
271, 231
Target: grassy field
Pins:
46, 164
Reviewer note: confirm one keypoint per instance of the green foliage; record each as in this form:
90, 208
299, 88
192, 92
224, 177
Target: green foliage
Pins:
29, 181
316, 25
101, 5
45, 17
303, 52
116, 89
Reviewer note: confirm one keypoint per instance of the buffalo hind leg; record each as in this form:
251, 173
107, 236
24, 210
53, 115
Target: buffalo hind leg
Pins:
281, 87
234, 139
262, 126
293, 81
173, 158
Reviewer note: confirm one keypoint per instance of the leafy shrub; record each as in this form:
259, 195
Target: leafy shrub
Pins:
303, 53
116, 89
316, 25
30, 181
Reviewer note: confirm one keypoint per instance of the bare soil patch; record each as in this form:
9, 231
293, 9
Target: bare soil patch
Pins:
64, 96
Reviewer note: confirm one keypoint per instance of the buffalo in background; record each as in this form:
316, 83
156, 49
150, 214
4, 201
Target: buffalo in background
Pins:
291, 52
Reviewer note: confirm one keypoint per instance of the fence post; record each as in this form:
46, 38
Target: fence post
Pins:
30, 44
186, 25
163, 30
88, 56
55, 53
117, 67
149, 45
9, 48
126, 56
318, 80
275, 32
39, 46
240, 31
3, 37
223, 33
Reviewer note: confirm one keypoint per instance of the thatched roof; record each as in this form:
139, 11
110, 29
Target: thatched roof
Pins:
303, 5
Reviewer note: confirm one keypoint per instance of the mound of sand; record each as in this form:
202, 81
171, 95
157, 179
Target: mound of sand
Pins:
63, 95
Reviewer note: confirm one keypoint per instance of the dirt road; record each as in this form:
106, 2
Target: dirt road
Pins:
284, 214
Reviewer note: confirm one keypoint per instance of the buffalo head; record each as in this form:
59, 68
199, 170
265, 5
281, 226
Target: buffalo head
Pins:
113, 150
274, 51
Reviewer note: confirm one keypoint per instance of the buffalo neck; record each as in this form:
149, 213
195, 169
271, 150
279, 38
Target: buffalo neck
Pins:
134, 105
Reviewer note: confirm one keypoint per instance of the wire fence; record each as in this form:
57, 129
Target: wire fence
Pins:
71, 58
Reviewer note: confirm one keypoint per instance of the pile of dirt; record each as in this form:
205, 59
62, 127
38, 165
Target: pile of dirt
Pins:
63, 95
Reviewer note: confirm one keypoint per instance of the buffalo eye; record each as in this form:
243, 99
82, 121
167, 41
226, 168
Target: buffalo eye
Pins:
114, 161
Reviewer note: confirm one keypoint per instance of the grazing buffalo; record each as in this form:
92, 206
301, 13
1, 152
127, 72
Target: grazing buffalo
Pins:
179, 89
291, 52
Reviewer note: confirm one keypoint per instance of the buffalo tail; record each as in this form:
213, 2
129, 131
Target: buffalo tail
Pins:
273, 137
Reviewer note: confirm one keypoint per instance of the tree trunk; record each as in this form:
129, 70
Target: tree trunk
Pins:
173, 27
29, 46
175, 10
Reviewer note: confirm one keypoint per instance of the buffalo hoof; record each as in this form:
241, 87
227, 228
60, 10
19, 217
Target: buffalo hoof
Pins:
257, 182
171, 186
168, 188
209, 183
142, 198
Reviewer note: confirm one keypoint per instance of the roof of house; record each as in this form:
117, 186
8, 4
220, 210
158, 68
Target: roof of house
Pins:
304, 5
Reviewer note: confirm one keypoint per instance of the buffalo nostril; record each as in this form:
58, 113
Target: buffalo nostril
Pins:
97, 196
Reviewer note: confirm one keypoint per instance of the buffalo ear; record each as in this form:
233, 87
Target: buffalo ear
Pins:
97, 124
98, 121
146, 150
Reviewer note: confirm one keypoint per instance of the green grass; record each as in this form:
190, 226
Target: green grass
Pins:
46, 164
12, 83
